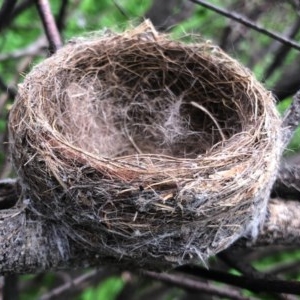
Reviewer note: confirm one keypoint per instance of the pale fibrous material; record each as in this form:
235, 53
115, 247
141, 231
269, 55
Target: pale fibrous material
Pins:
146, 149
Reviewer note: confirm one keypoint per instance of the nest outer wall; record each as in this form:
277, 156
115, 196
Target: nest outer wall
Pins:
144, 148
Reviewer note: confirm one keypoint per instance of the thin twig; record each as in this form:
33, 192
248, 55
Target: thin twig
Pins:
245, 21
121, 9
256, 285
236, 262
253, 14
49, 24
36, 48
194, 285
6, 18
284, 268
244, 266
281, 51
65, 287
21, 7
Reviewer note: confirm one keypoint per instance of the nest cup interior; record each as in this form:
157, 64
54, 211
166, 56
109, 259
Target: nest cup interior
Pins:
150, 99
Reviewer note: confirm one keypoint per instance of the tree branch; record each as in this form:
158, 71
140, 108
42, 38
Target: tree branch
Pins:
6, 11
36, 48
255, 285
229, 256
232, 38
121, 9
194, 285
245, 21
282, 51
284, 268
49, 24
282, 226
77, 283
232, 260
29, 243
287, 184
21, 7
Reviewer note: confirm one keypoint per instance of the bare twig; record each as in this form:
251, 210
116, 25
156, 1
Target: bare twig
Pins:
230, 37
284, 268
245, 267
194, 285
240, 265
281, 52
75, 285
21, 7
256, 285
65, 287
49, 24
10, 10
36, 48
121, 9
245, 21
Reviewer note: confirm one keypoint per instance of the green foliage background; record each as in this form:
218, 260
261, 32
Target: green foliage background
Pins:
94, 15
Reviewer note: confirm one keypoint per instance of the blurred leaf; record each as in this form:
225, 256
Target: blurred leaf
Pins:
107, 290
282, 257
282, 106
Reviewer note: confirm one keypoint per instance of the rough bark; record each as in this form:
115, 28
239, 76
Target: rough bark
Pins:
27, 246
287, 184
30, 244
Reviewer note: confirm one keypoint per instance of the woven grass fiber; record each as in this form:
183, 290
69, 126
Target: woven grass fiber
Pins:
144, 148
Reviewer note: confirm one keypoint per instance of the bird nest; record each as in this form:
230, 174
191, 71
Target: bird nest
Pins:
145, 148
